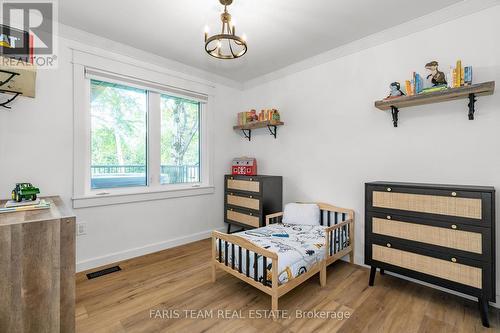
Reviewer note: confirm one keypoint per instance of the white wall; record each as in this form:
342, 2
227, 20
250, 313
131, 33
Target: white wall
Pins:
334, 140
36, 145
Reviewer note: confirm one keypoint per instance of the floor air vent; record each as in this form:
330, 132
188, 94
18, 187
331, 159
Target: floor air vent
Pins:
102, 272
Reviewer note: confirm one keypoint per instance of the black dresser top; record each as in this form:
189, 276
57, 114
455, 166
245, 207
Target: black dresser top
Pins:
436, 186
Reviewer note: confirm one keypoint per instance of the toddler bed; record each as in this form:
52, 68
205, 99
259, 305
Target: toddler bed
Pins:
299, 251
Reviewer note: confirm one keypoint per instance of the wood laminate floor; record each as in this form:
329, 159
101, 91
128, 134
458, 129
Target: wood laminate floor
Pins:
166, 283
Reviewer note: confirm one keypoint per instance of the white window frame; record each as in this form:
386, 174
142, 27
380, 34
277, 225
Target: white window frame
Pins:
154, 83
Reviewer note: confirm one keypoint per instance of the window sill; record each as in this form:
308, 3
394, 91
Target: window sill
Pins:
116, 199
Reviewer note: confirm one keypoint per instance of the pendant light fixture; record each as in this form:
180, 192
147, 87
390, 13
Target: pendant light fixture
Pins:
226, 45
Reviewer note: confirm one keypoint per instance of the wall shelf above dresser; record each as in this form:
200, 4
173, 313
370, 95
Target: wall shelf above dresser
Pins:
247, 129
467, 92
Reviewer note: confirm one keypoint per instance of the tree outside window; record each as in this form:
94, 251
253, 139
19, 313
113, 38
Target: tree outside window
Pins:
118, 135
180, 140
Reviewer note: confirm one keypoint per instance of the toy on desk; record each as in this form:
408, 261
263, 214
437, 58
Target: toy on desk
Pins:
395, 91
438, 77
24, 191
244, 166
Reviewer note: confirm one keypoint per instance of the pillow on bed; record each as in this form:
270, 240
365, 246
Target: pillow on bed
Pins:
296, 213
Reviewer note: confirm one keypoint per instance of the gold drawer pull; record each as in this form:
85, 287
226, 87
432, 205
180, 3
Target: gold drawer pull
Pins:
231, 194
453, 194
251, 214
389, 189
389, 217
231, 178
453, 226
454, 259
389, 245
251, 196
251, 179
230, 209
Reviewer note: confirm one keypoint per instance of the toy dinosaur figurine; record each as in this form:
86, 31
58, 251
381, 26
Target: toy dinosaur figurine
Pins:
438, 78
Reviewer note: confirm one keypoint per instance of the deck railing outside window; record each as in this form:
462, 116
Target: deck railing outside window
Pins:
109, 176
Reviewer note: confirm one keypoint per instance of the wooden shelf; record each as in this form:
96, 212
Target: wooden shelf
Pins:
247, 128
258, 124
467, 92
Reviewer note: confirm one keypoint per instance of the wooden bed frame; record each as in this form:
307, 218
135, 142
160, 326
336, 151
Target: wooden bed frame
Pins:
339, 222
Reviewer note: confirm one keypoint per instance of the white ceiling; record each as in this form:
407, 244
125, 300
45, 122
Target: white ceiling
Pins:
279, 32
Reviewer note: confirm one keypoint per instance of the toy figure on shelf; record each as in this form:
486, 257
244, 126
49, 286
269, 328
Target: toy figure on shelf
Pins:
276, 116
262, 115
395, 91
252, 116
438, 78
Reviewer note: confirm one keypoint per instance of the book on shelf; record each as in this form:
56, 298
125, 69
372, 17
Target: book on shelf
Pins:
419, 83
413, 84
458, 74
434, 89
451, 77
408, 88
468, 75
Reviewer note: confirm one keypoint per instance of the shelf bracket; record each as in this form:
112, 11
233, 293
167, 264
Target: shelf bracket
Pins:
273, 130
394, 111
472, 105
5, 104
247, 133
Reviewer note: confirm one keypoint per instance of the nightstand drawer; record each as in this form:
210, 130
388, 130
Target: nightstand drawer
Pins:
452, 269
242, 217
245, 201
450, 237
249, 185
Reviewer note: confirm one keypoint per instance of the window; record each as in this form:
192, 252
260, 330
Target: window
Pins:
180, 140
118, 135
138, 139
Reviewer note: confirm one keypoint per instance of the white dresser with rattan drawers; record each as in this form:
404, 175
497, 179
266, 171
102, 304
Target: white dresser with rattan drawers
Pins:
440, 234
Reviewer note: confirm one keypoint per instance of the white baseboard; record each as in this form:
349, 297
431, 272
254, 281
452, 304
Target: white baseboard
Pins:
140, 251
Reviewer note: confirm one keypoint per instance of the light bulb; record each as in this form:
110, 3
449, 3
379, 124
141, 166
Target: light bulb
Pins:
207, 29
206, 33
244, 37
